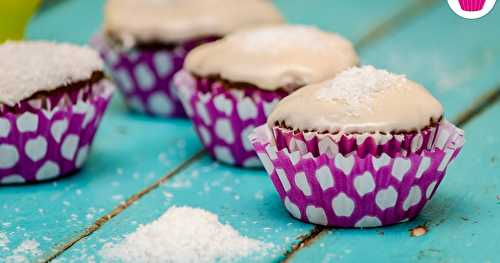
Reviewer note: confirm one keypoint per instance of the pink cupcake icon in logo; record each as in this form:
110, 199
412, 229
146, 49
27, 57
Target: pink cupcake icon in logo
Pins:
472, 5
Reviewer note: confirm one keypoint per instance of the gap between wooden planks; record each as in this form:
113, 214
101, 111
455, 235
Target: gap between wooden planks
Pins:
475, 109
405, 15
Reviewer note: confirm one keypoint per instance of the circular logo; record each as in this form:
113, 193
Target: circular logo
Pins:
471, 9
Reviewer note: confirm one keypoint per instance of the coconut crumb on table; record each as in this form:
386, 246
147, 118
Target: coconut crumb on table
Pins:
183, 234
24, 252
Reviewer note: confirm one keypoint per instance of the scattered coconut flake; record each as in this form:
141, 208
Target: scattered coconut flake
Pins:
30, 67
183, 234
24, 252
4, 240
284, 37
357, 85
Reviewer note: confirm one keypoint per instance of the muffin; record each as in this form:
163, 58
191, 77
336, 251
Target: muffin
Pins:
369, 149
230, 86
145, 42
53, 99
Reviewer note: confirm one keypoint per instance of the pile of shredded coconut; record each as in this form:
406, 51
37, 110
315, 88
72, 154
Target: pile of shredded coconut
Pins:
285, 37
357, 85
29, 67
183, 234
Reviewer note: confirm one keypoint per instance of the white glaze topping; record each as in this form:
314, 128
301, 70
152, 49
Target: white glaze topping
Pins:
180, 20
273, 57
359, 100
29, 67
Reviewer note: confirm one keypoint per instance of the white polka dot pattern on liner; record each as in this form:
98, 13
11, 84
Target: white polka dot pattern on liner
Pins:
324, 177
316, 215
368, 221
224, 154
13, 179
344, 163
386, 198
284, 180
48, 171
159, 103
8, 156
292, 208
4, 127
36, 148
144, 77
43, 147
162, 63
354, 191
58, 129
364, 184
27, 122
70, 146
224, 118
343, 205
413, 198
400, 168
302, 183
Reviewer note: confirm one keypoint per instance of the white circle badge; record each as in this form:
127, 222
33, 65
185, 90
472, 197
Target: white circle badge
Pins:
471, 9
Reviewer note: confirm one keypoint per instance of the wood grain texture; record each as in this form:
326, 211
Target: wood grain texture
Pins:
127, 156
120, 166
406, 37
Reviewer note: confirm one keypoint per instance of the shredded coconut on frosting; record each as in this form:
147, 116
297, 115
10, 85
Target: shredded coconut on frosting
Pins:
183, 234
276, 38
29, 67
357, 85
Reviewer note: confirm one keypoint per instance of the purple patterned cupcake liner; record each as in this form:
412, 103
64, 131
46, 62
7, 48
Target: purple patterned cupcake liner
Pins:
145, 75
224, 118
362, 144
46, 138
354, 191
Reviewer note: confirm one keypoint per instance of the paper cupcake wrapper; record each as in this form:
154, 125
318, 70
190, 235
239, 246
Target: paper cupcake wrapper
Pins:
472, 5
225, 118
145, 75
350, 191
362, 144
45, 138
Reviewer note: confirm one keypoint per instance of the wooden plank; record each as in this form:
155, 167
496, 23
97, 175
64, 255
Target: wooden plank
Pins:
97, 184
457, 59
353, 19
126, 158
458, 66
246, 208
241, 197
68, 21
460, 219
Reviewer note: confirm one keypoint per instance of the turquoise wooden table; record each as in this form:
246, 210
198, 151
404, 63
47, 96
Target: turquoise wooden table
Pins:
133, 175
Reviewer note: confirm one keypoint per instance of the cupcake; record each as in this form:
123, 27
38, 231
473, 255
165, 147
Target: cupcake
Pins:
145, 42
472, 5
369, 148
230, 86
53, 97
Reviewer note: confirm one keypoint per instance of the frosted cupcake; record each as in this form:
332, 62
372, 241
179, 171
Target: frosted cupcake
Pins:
145, 43
369, 149
230, 86
53, 97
